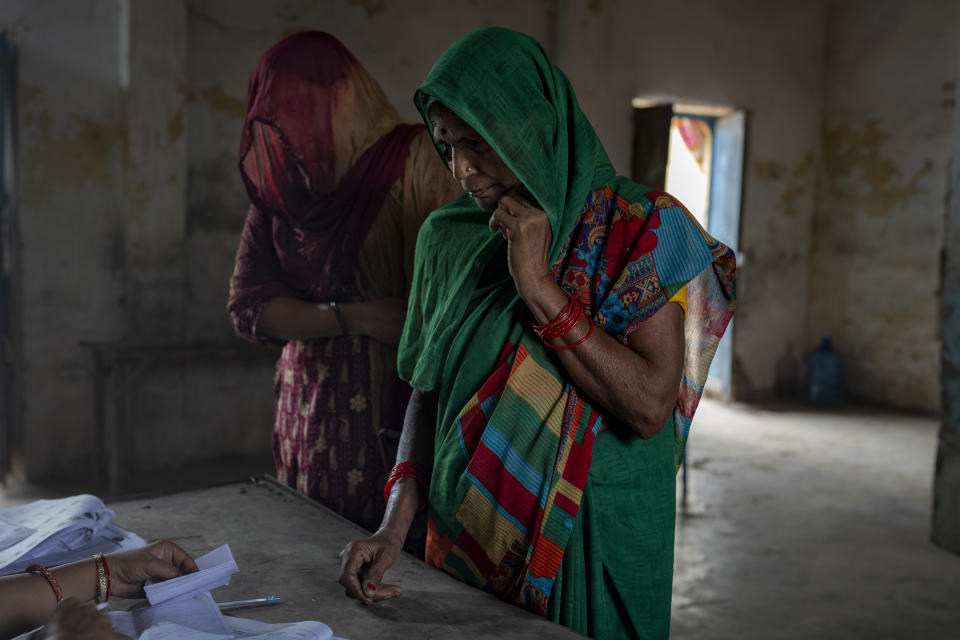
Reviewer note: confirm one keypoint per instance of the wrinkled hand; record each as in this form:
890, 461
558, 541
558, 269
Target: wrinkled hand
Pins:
74, 620
362, 565
528, 234
382, 319
161, 560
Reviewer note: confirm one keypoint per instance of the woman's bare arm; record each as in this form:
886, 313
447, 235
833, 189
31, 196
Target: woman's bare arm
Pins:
363, 562
294, 319
639, 384
27, 599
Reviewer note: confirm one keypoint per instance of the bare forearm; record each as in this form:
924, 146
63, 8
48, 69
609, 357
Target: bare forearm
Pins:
416, 446
294, 319
627, 384
26, 599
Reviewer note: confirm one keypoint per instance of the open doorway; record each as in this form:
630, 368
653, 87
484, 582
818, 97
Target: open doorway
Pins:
695, 152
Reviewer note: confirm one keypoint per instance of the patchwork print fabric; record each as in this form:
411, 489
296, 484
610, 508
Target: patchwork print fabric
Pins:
502, 504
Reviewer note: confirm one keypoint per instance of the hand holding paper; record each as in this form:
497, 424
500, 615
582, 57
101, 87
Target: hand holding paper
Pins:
215, 570
163, 560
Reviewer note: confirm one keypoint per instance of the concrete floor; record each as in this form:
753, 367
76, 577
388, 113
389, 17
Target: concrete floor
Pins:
811, 525
801, 525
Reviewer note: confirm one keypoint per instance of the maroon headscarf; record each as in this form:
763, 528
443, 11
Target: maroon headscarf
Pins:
320, 149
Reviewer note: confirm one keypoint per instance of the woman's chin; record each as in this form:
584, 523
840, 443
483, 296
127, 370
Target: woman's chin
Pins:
488, 202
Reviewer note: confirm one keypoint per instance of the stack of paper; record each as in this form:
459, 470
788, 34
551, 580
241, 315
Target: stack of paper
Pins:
54, 532
199, 618
199, 613
255, 630
215, 567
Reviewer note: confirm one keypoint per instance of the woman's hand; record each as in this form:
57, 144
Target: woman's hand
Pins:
528, 234
161, 560
295, 319
380, 319
363, 563
74, 620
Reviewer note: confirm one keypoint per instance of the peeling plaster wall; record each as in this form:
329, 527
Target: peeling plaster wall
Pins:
131, 208
103, 160
878, 229
72, 143
946, 489
155, 176
397, 42
764, 57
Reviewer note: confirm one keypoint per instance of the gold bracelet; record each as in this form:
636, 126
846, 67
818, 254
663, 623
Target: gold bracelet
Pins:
101, 578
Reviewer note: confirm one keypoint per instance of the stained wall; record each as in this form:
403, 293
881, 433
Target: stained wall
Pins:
131, 208
762, 57
878, 228
71, 244
946, 490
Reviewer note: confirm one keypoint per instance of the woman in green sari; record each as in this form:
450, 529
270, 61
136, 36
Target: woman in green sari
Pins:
559, 332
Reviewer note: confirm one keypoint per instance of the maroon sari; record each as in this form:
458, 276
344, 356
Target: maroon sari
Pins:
321, 148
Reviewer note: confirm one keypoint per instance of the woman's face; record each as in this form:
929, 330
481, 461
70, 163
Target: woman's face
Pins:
473, 162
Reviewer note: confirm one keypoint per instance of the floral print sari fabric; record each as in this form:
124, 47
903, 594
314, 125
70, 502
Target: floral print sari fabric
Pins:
338, 189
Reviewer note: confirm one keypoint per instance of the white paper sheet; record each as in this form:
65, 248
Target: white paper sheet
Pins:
171, 631
216, 568
11, 534
57, 526
199, 613
109, 539
291, 631
256, 630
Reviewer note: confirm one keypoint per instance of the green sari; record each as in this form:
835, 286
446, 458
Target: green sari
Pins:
528, 500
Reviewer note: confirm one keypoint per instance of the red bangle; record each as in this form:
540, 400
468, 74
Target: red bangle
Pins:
42, 571
561, 317
575, 344
565, 320
564, 323
562, 328
408, 470
107, 569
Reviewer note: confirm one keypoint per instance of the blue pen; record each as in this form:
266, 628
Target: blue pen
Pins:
252, 602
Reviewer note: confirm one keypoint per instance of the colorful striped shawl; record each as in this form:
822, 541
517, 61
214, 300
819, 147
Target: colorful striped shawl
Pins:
511, 459
510, 469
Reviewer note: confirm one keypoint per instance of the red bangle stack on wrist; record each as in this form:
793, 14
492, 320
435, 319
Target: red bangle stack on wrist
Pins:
408, 470
563, 323
44, 573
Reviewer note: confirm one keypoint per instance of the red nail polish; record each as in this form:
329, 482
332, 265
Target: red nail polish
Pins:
371, 586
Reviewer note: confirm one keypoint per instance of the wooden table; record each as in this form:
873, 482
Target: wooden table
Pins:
287, 545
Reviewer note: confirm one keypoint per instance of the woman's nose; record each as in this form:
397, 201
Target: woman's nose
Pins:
462, 165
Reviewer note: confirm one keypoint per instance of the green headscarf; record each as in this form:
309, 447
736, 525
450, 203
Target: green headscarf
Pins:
502, 84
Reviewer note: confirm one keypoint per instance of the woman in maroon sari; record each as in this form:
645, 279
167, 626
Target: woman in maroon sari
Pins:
338, 189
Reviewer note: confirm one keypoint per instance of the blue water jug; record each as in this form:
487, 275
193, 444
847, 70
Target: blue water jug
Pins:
825, 376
